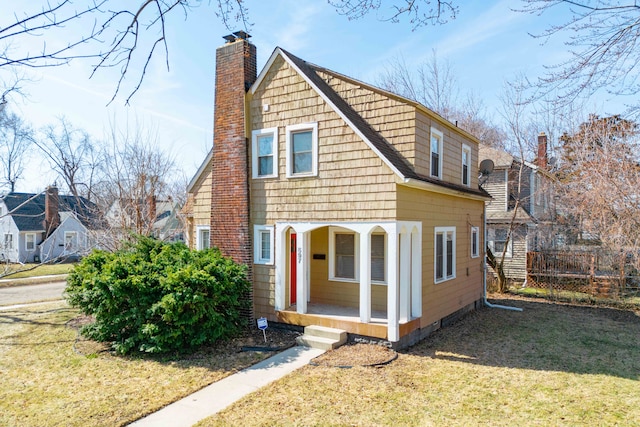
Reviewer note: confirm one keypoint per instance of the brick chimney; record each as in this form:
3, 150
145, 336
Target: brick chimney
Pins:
51, 207
235, 73
542, 151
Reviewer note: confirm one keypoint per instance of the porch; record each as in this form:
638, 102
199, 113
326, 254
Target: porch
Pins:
346, 318
364, 278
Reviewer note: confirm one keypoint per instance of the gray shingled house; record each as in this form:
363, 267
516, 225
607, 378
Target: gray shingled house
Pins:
46, 226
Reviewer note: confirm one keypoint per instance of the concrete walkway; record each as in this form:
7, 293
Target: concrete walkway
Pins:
219, 395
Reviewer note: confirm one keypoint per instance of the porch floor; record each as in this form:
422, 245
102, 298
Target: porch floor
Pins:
332, 316
351, 314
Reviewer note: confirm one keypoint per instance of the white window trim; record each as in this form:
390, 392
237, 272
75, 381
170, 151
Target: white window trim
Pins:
509, 253
332, 255
314, 149
258, 231
440, 137
71, 233
26, 246
466, 149
7, 243
386, 245
199, 230
475, 235
445, 231
254, 152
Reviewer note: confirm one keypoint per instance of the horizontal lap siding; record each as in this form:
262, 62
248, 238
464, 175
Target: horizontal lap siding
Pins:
352, 184
436, 210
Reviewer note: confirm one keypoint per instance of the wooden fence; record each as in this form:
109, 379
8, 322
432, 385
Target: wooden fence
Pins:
600, 273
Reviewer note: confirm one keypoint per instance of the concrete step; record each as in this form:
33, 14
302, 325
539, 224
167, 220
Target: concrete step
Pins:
318, 342
325, 332
322, 337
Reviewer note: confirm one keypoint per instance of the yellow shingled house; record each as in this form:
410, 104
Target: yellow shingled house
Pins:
353, 207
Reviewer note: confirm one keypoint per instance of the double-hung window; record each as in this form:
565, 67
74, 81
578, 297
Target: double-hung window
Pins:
203, 237
475, 242
302, 150
445, 253
498, 242
466, 165
8, 241
378, 261
436, 153
264, 152
70, 241
30, 241
263, 244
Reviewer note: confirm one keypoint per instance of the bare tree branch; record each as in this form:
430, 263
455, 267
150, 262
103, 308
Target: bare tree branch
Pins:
604, 43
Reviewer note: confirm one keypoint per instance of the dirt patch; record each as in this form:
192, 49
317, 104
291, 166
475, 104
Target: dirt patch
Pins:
277, 339
356, 355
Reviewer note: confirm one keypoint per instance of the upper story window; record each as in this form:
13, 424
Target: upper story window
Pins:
436, 153
302, 150
70, 240
8, 241
466, 165
445, 254
264, 143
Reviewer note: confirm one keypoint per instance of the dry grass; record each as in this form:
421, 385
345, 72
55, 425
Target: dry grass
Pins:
46, 382
549, 365
19, 271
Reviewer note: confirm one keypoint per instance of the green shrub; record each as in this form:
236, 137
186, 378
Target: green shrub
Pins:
158, 297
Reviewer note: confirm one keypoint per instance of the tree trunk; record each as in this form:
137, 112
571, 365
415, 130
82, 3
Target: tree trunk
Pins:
498, 268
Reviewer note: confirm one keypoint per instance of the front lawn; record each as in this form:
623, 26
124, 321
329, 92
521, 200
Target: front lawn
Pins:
549, 365
552, 364
21, 271
51, 377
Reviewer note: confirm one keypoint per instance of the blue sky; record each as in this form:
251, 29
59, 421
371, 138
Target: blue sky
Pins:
486, 45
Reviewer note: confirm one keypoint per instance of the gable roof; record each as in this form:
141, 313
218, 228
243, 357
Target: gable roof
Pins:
383, 148
27, 210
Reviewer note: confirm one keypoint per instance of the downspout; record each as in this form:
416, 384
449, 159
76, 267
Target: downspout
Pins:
484, 267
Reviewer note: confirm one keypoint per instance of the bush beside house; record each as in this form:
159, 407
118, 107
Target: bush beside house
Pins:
158, 297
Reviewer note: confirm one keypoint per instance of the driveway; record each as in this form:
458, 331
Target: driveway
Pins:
31, 293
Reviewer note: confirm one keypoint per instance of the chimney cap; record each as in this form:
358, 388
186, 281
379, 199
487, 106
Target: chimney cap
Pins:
229, 38
242, 35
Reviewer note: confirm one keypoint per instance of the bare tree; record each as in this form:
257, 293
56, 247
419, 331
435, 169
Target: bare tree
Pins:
419, 12
139, 175
603, 38
124, 35
15, 139
600, 173
520, 132
434, 84
71, 153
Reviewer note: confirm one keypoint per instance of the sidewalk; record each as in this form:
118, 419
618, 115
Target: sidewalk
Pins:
219, 395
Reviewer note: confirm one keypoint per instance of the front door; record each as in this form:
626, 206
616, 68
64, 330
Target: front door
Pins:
293, 262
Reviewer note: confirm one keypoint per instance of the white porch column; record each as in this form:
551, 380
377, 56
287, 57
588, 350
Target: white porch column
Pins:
281, 266
393, 327
302, 273
405, 262
416, 271
365, 276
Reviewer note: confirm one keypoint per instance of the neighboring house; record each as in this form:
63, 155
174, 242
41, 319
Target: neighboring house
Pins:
353, 207
46, 226
158, 218
532, 186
